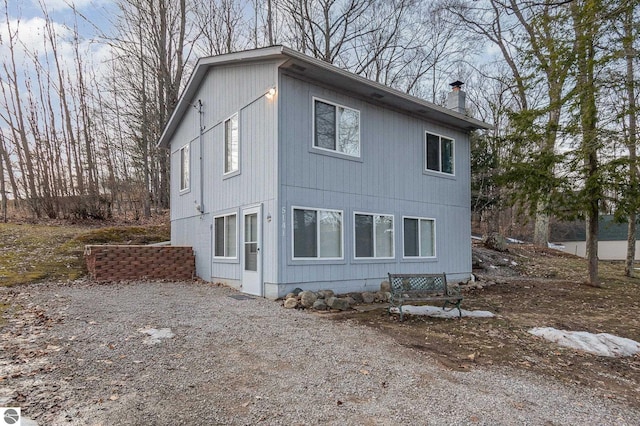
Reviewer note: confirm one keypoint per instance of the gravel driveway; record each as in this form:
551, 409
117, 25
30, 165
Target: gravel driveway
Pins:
75, 354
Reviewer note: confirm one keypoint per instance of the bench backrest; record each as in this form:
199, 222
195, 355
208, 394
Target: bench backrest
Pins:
425, 283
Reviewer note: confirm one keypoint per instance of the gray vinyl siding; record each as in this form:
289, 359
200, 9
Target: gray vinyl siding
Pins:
388, 178
225, 91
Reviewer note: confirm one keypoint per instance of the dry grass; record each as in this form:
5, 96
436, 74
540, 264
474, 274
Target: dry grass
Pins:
523, 298
32, 253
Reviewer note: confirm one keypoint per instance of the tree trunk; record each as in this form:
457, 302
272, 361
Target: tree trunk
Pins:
630, 55
586, 28
541, 227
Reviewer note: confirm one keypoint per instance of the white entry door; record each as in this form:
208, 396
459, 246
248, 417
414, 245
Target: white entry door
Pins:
251, 251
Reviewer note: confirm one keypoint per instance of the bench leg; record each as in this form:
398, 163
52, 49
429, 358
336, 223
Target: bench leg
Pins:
456, 305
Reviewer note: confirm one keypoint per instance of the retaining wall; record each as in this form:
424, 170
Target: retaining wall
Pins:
134, 262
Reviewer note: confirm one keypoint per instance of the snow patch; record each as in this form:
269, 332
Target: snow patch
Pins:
603, 344
155, 335
435, 311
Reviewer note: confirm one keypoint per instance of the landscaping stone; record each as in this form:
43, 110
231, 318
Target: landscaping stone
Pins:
357, 297
383, 296
325, 294
368, 297
291, 303
338, 303
296, 291
385, 286
308, 298
319, 305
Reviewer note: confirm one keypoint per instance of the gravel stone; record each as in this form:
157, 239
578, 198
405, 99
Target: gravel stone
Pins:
74, 356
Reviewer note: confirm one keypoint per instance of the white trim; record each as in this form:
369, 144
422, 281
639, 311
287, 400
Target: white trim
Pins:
225, 216
337, 135
393, 241
317, 258
453, 154
435, 246
224, 145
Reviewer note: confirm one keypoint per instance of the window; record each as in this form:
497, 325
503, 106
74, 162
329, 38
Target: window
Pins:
439, 154
317, 233
373, 235
225, 236
336, 128
184, 168
419, 237
231, 144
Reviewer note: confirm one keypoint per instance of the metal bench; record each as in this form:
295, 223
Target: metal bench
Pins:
422, 288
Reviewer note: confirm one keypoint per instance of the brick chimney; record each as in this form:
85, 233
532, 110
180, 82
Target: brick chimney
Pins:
456, 98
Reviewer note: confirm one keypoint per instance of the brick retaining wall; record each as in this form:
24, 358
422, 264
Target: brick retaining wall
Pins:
134, 262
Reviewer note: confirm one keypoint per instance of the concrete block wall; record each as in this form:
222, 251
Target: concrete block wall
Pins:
134, 262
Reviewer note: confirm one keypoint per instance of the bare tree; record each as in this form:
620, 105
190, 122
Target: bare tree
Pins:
630, 33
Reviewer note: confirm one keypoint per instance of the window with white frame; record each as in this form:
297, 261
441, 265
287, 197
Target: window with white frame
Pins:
373, 235
439, 153
225, 236
231, 144
336, 128
419, 237
184, 168
317, 233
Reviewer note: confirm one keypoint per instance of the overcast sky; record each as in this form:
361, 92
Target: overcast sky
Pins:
27, 17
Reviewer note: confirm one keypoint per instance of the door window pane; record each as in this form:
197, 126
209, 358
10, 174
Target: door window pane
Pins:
251, 242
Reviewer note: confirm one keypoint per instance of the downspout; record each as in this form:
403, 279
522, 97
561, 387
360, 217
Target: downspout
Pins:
201, 141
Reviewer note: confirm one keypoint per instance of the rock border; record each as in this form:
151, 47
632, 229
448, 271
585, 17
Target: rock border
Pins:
324, 300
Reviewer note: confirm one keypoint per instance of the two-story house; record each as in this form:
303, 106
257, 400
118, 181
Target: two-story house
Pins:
289, 172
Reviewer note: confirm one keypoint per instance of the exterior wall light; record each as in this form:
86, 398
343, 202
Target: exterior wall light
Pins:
271, 93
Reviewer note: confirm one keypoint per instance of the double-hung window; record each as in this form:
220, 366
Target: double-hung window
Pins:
317, 233
184, 168
439, 154
373, 235
336, 128
231, 145
419, 237
225, 236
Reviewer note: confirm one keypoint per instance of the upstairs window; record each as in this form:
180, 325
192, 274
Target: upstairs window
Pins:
373, 235
231, 144
439, 153
419, 237
225, 236
184, 168
336, 128
317, 234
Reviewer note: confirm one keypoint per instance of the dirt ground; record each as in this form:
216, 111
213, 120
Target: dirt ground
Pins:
528, 287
